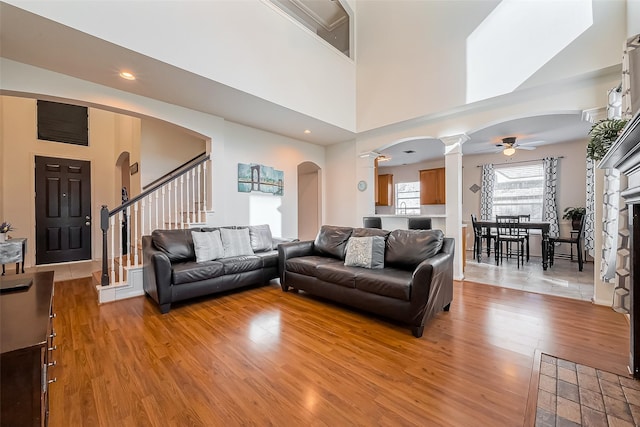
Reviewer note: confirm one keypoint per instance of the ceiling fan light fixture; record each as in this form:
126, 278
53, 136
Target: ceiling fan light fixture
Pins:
509, 151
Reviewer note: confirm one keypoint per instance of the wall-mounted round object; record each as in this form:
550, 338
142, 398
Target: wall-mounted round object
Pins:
362, 185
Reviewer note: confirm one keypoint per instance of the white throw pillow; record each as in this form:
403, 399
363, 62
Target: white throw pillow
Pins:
236, 242
208, 245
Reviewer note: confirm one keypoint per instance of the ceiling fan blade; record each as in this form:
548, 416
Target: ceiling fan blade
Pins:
521, 147
528, 143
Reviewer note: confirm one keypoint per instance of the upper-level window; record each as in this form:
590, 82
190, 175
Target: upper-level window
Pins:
63, 123
518, 190
328, 19
408, 198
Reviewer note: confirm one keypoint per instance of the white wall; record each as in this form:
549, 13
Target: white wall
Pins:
164, 147
20, 146
633, 17
248, 145
341, 195
248, 45
418, 65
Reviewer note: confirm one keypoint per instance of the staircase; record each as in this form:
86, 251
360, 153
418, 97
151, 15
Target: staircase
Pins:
176, 201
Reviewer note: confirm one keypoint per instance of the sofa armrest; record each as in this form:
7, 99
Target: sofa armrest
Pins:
156, 273
292, 250
279, 240
432, 284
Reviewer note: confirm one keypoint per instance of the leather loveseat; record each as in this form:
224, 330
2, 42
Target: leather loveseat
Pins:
412, 283
175, 269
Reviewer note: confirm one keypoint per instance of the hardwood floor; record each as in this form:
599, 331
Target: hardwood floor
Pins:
264, 357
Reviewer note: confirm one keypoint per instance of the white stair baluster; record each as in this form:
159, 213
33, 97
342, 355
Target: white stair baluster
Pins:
113, 251
135, 233
164, 224
187, 201
157, 215
194, 217
128, 236
199, 218
142, 218
169, 205
150, 208
175, 203
204, 189
120, 216
182, 201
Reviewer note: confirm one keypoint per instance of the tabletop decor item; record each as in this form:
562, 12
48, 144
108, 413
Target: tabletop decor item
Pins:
5, 227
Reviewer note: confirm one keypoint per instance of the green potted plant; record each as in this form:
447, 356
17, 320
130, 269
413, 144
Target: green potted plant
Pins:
575, 215
602, 135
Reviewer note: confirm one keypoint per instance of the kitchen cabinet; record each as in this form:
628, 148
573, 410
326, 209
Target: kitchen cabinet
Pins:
432, 186
385, 190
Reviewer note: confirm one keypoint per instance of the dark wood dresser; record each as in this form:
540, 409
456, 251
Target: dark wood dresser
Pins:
26, 343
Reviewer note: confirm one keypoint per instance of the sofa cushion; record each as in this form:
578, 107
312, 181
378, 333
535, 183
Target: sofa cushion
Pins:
367, 252
390, 282
338, 274
307, 265
366, 232
408, 248
191, 271
236, 242
332, 241
269, 258
260, 237
240, 264
207, 245
177, 244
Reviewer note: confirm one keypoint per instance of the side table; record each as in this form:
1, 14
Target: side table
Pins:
13, 250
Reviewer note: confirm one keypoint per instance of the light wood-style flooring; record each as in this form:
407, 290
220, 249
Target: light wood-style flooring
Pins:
264, 357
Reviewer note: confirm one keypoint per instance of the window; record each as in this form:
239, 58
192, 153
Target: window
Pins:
408, 198
63, 123
518, 190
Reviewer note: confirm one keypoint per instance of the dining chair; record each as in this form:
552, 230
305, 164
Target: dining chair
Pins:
508, 228
372, 222
480, 233
525, 232
419, 223
574, 239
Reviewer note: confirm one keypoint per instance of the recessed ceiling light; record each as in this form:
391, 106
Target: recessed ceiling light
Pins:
307, 131
409, 151
127, 75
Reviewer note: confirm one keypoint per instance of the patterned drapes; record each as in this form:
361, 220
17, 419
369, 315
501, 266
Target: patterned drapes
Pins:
550, 207
610, 224
589, 220
486, 194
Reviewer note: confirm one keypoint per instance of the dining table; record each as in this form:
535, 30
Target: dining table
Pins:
543, 226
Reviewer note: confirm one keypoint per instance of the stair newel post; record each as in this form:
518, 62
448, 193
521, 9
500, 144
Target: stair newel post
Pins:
104, 225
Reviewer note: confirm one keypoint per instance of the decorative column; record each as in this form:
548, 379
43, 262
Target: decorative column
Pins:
453, 206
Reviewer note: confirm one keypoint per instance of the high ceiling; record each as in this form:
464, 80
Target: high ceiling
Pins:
34, 40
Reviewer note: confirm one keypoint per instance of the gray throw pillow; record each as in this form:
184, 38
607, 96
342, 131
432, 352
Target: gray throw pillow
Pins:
261, 238
236, 242
208, 245
367, 252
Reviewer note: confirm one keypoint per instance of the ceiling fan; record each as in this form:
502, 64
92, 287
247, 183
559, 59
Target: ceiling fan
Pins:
509, 146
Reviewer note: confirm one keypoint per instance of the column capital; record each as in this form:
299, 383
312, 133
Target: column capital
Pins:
453, 143
593, 115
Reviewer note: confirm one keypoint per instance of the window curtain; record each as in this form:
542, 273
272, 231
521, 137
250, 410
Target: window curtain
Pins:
486, 195
549, 206
589, 220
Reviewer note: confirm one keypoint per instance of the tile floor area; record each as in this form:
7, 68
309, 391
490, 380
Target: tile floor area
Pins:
571, 394
562, 279
73, 270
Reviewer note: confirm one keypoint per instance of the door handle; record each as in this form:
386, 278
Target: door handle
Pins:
88, 220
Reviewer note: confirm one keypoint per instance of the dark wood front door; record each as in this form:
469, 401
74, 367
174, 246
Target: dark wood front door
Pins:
63, 210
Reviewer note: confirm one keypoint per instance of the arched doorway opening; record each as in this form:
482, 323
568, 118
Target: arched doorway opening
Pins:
309, 200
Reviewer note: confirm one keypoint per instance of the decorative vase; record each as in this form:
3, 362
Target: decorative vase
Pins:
3, 237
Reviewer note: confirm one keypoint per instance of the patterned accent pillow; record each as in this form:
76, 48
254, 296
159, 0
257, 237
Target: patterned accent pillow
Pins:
236, 242
208, 245
261, 239
367, 252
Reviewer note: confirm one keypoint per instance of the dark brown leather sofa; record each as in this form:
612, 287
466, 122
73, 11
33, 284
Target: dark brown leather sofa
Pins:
171, 273
415, 284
